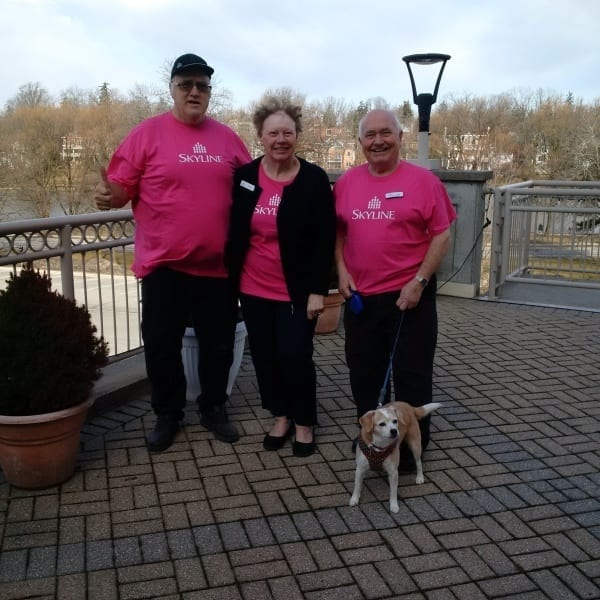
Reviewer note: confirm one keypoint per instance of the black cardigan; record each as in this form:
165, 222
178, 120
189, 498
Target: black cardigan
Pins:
305, 227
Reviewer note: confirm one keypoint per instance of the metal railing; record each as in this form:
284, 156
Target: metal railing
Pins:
546, 243
88, 259
543, 233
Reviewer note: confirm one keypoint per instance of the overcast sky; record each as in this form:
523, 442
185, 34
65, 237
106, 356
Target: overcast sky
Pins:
346, 49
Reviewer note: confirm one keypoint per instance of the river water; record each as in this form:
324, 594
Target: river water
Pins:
12, 209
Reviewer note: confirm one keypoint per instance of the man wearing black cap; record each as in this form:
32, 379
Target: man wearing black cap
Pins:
191, 103
177, 171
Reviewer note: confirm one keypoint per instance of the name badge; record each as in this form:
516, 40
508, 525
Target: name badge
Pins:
394, 195
247, 185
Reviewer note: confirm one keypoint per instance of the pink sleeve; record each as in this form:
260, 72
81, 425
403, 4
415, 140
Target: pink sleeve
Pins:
443, 213
127, 163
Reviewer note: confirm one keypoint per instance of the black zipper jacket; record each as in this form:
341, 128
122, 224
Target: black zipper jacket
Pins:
305, 227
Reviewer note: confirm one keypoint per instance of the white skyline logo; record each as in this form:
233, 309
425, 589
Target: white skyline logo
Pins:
274, 200
374, 203
374, 212
200, 155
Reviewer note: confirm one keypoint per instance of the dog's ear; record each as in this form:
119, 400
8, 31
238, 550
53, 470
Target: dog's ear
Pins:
366, 421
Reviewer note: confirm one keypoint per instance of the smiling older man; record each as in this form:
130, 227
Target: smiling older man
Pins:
177, 171
393, 232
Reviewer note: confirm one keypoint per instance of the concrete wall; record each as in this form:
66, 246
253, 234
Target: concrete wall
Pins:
466, 190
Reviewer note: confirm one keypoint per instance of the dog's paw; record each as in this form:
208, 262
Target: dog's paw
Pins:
394, 507
420, 479
353, 500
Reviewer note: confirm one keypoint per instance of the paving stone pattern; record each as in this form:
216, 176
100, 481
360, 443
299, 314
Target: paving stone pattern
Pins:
509, 509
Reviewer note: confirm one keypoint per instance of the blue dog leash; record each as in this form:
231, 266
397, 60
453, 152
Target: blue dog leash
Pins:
389, 369
356, 306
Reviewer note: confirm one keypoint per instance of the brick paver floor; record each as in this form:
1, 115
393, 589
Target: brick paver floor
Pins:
509, 509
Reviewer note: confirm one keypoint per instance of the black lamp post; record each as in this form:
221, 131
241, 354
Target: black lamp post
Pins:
425, 101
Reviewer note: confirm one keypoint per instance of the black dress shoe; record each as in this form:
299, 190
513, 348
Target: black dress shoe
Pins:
276, 442
164, 433
303, 449
218, 422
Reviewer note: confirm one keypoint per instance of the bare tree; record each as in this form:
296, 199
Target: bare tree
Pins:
76, 97
50, 153
34, 156
30, 95
587, 145
334, 111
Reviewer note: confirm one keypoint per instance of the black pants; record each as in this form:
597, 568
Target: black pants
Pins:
280, 337
369, 341
171, 300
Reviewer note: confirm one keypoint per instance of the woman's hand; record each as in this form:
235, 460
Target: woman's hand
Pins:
314, 306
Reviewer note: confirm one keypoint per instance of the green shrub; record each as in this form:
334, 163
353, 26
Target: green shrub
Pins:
50, 354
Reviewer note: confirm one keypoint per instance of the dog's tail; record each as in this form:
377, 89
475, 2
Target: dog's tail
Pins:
423, 411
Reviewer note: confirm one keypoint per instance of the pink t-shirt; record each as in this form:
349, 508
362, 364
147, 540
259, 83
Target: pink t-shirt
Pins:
179, 178
262, 274
389, 222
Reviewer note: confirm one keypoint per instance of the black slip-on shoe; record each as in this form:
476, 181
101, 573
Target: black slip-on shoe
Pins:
302, 449
276, 442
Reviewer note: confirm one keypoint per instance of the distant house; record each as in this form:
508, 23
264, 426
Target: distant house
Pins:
335, 156
72, 148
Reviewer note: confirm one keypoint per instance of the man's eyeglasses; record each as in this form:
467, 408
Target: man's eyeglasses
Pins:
188, 85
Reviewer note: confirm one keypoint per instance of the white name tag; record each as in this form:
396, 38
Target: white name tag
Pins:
394, 195
246, 185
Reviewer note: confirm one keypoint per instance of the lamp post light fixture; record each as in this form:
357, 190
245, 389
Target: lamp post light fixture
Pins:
425, 101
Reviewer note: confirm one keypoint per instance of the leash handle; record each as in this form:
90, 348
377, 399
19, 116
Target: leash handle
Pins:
389, 368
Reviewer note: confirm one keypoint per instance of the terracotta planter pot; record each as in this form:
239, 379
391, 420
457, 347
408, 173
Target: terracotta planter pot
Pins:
40, 451
328, 321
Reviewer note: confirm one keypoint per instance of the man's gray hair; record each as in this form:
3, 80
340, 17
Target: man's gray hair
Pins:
391, 113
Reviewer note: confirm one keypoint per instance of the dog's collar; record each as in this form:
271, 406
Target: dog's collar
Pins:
376, 455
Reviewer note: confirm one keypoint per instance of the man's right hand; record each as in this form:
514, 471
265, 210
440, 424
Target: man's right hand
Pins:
103, 193
345, 283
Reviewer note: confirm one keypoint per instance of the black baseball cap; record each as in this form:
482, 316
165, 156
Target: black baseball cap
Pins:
190, 61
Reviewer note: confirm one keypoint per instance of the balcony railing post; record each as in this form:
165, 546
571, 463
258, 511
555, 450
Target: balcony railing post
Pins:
507, 226
66, 263
496, 244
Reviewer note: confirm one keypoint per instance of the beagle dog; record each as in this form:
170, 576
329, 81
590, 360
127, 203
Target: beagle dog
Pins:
382, 431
